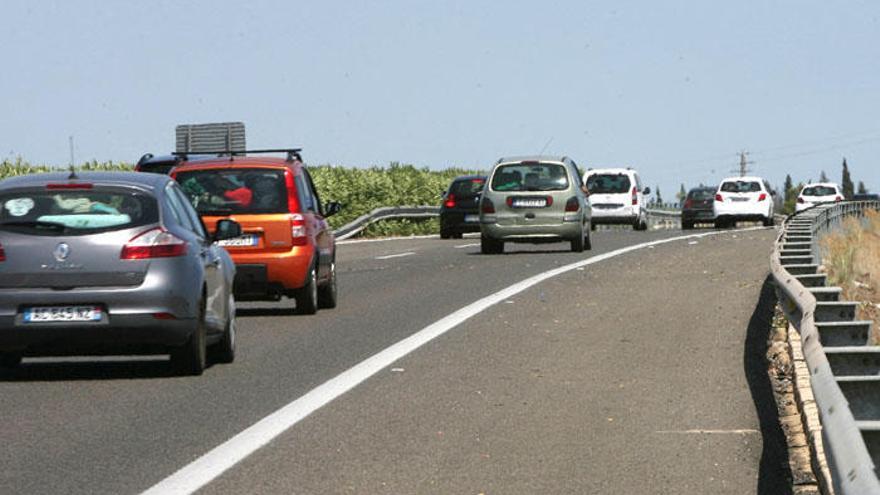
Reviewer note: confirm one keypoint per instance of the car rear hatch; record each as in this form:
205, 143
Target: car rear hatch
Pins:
464, 195
255, 197
67, 236
531, 193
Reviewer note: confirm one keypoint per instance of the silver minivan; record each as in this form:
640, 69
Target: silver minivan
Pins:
534, 199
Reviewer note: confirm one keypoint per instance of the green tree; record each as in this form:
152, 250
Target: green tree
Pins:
681, 194
862, 189
791, 198
846, 182
658, 200
787, 187
823, 177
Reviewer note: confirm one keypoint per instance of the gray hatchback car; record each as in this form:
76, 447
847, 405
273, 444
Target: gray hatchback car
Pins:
111, 263
534, 199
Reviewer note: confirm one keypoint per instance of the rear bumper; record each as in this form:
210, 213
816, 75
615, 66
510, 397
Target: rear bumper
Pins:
265, 273
697, 215
611, 216
533, 233
454, 221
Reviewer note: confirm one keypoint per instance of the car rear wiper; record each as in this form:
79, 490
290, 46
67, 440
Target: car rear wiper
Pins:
35, 224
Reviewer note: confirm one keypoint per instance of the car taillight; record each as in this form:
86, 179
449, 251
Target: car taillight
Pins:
487, 206
719, 197
572, 205
801, 200
688, 203
292, 200
838, 199
2, 253
298, 229
762, 197
450, 201
154, 243
635, 194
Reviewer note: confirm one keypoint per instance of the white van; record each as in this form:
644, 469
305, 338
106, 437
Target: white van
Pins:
743, 198
617, 197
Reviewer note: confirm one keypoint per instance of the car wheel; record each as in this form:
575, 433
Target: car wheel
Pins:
577, 244
192, 357
458, 235
592, 226
224, 351
588, 241
491, 246
768, 221
687, 225
327, 292
10, 360
307, 296
445, 234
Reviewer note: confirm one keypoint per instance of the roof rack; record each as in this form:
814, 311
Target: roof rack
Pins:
292, 153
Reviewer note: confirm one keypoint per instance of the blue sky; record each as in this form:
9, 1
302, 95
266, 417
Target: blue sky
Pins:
675, 89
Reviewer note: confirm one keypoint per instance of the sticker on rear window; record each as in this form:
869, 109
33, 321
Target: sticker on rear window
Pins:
19, 207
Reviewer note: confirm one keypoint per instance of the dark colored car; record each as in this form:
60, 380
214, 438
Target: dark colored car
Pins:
157, 164
460, 211
111, 263
866, 197
697, 207
287, 248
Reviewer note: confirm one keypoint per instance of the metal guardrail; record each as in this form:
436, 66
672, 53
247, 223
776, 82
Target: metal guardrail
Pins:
844, 368
390, 212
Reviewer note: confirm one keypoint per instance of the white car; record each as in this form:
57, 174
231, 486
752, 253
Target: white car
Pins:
743, 198
616, 197
813, 194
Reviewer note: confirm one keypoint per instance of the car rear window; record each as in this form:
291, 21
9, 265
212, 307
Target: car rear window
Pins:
608, 184
467, 187
530, 176
741, 186
701, 194
75, 212
819, 191
239, 190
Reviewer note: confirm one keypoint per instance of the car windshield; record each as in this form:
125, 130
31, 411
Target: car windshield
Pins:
608, 183
530, 176
741, 186
467, 187
239, 190
819, 191
701, 194
75, 212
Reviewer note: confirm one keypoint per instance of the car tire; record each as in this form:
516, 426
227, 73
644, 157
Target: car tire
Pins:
768, 221
577, 244
192, 358
687, 225
307, 296
10, 360
445, 234
224, 351
491, 246
458, 235
592, 226
588, 241
327, 292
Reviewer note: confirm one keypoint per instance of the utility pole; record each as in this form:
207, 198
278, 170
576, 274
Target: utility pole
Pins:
70, 141
743, 163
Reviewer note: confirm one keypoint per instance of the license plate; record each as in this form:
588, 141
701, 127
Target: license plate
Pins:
244, 240
472, 218
43, 314
529, 203
739, 199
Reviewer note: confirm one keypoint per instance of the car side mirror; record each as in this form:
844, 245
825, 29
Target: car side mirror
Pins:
647, 190
333, 207
227, 229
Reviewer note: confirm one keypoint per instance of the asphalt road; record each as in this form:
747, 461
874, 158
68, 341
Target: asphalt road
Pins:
629, 376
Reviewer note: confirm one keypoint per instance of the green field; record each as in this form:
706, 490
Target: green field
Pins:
359, 190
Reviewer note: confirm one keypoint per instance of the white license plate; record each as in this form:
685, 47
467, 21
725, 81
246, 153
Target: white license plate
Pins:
529, 203
471, 218
244, 240
739, 199
41, 314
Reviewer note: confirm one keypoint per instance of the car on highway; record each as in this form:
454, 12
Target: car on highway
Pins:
157, 164
743, 199
617, 197
814, 194
287, 248
460, 210
112, 262
697, 207
534, 199
866, 197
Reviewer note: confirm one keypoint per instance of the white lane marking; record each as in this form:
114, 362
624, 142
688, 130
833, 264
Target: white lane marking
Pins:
708, 432
398, 255
203, 470
462, 246
406, 238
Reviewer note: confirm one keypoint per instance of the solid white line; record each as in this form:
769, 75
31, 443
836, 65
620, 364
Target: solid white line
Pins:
709, 432
399, 255
383, 239
467, 245
214, 463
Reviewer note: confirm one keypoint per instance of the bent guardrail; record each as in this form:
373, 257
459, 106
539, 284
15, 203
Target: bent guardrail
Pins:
844, 367
392, 212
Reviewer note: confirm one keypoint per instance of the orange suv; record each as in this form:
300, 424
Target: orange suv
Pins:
286, 247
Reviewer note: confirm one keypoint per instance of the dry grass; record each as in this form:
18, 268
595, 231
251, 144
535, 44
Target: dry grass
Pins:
852, 260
